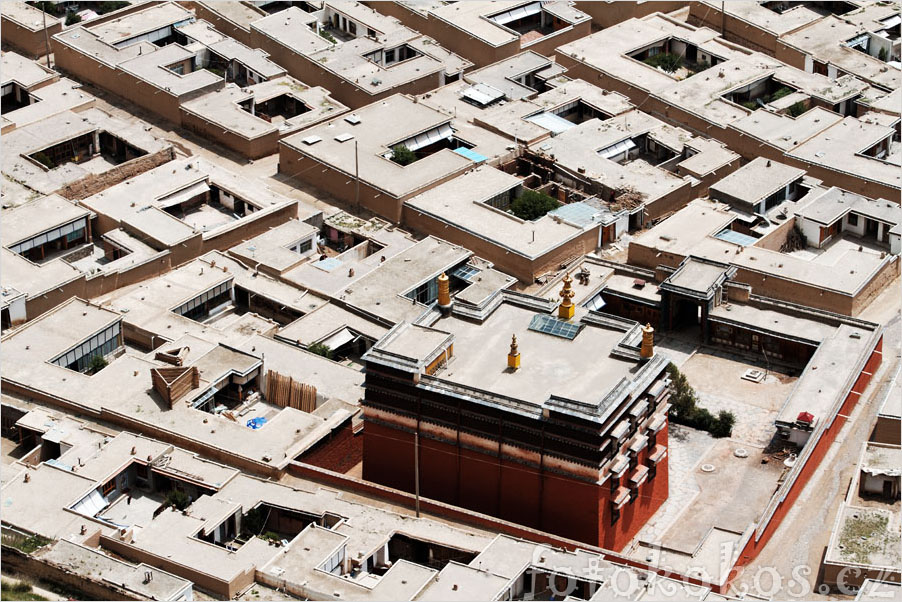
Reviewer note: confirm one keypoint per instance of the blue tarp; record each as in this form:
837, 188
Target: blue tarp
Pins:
465, 152
256, 423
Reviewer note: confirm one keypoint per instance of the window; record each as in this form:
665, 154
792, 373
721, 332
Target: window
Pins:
615, 514
109, 487
652, 471
305, 246
852, 219
390, 56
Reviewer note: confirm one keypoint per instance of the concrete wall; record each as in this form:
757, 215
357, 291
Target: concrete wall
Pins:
346, 92
793, 488
214, 585
522, 267
606, 14
252, 148
452, 38
887, 429
94, 183
38, 568
731, 28
340, 451
122, 83
293, 164
31, 43
223, 25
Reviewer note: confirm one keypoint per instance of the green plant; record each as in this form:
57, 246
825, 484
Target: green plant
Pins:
178, 499
72, 18
685, 410
797, 109
723, 424
881, 54
402, 155
43, 159
216, 71
321, 349
751, 105
97, 363
28, 544
532, 205
665, 61
253, 521
271, 536
328, 36
18, 591
783, 91
108, 7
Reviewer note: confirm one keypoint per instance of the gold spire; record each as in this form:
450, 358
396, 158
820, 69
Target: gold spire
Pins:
566, 309
444, 291
513, 358
647, 351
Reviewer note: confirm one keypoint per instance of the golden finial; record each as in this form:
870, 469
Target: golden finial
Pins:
513, 358
566, 309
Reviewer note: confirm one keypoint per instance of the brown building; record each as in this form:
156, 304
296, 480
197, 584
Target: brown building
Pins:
356, 53
582, 456
487, 32
26, 28
755, 104
351, 157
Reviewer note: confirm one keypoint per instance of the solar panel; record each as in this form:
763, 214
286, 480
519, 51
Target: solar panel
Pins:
553, 326
464, 272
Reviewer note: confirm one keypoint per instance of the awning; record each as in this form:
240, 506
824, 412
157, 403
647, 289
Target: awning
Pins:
483, 94
595, 303
892, 21
551, 122
515, 14
185, 194
339, 338
432, 136
463, 151
91, 504
616, 149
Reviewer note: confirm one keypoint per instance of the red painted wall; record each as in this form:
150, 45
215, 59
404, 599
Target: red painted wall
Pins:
754, 547
515, 492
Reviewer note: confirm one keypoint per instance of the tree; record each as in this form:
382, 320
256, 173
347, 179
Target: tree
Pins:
72, 18
402, 155
532, 205
665, 61
97, 363
723, 424
797, 109
179, 499
881, 54
321, 349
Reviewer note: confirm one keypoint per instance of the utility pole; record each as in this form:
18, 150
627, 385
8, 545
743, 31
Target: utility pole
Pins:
416, 468
46, 35
723, 19
357, 188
